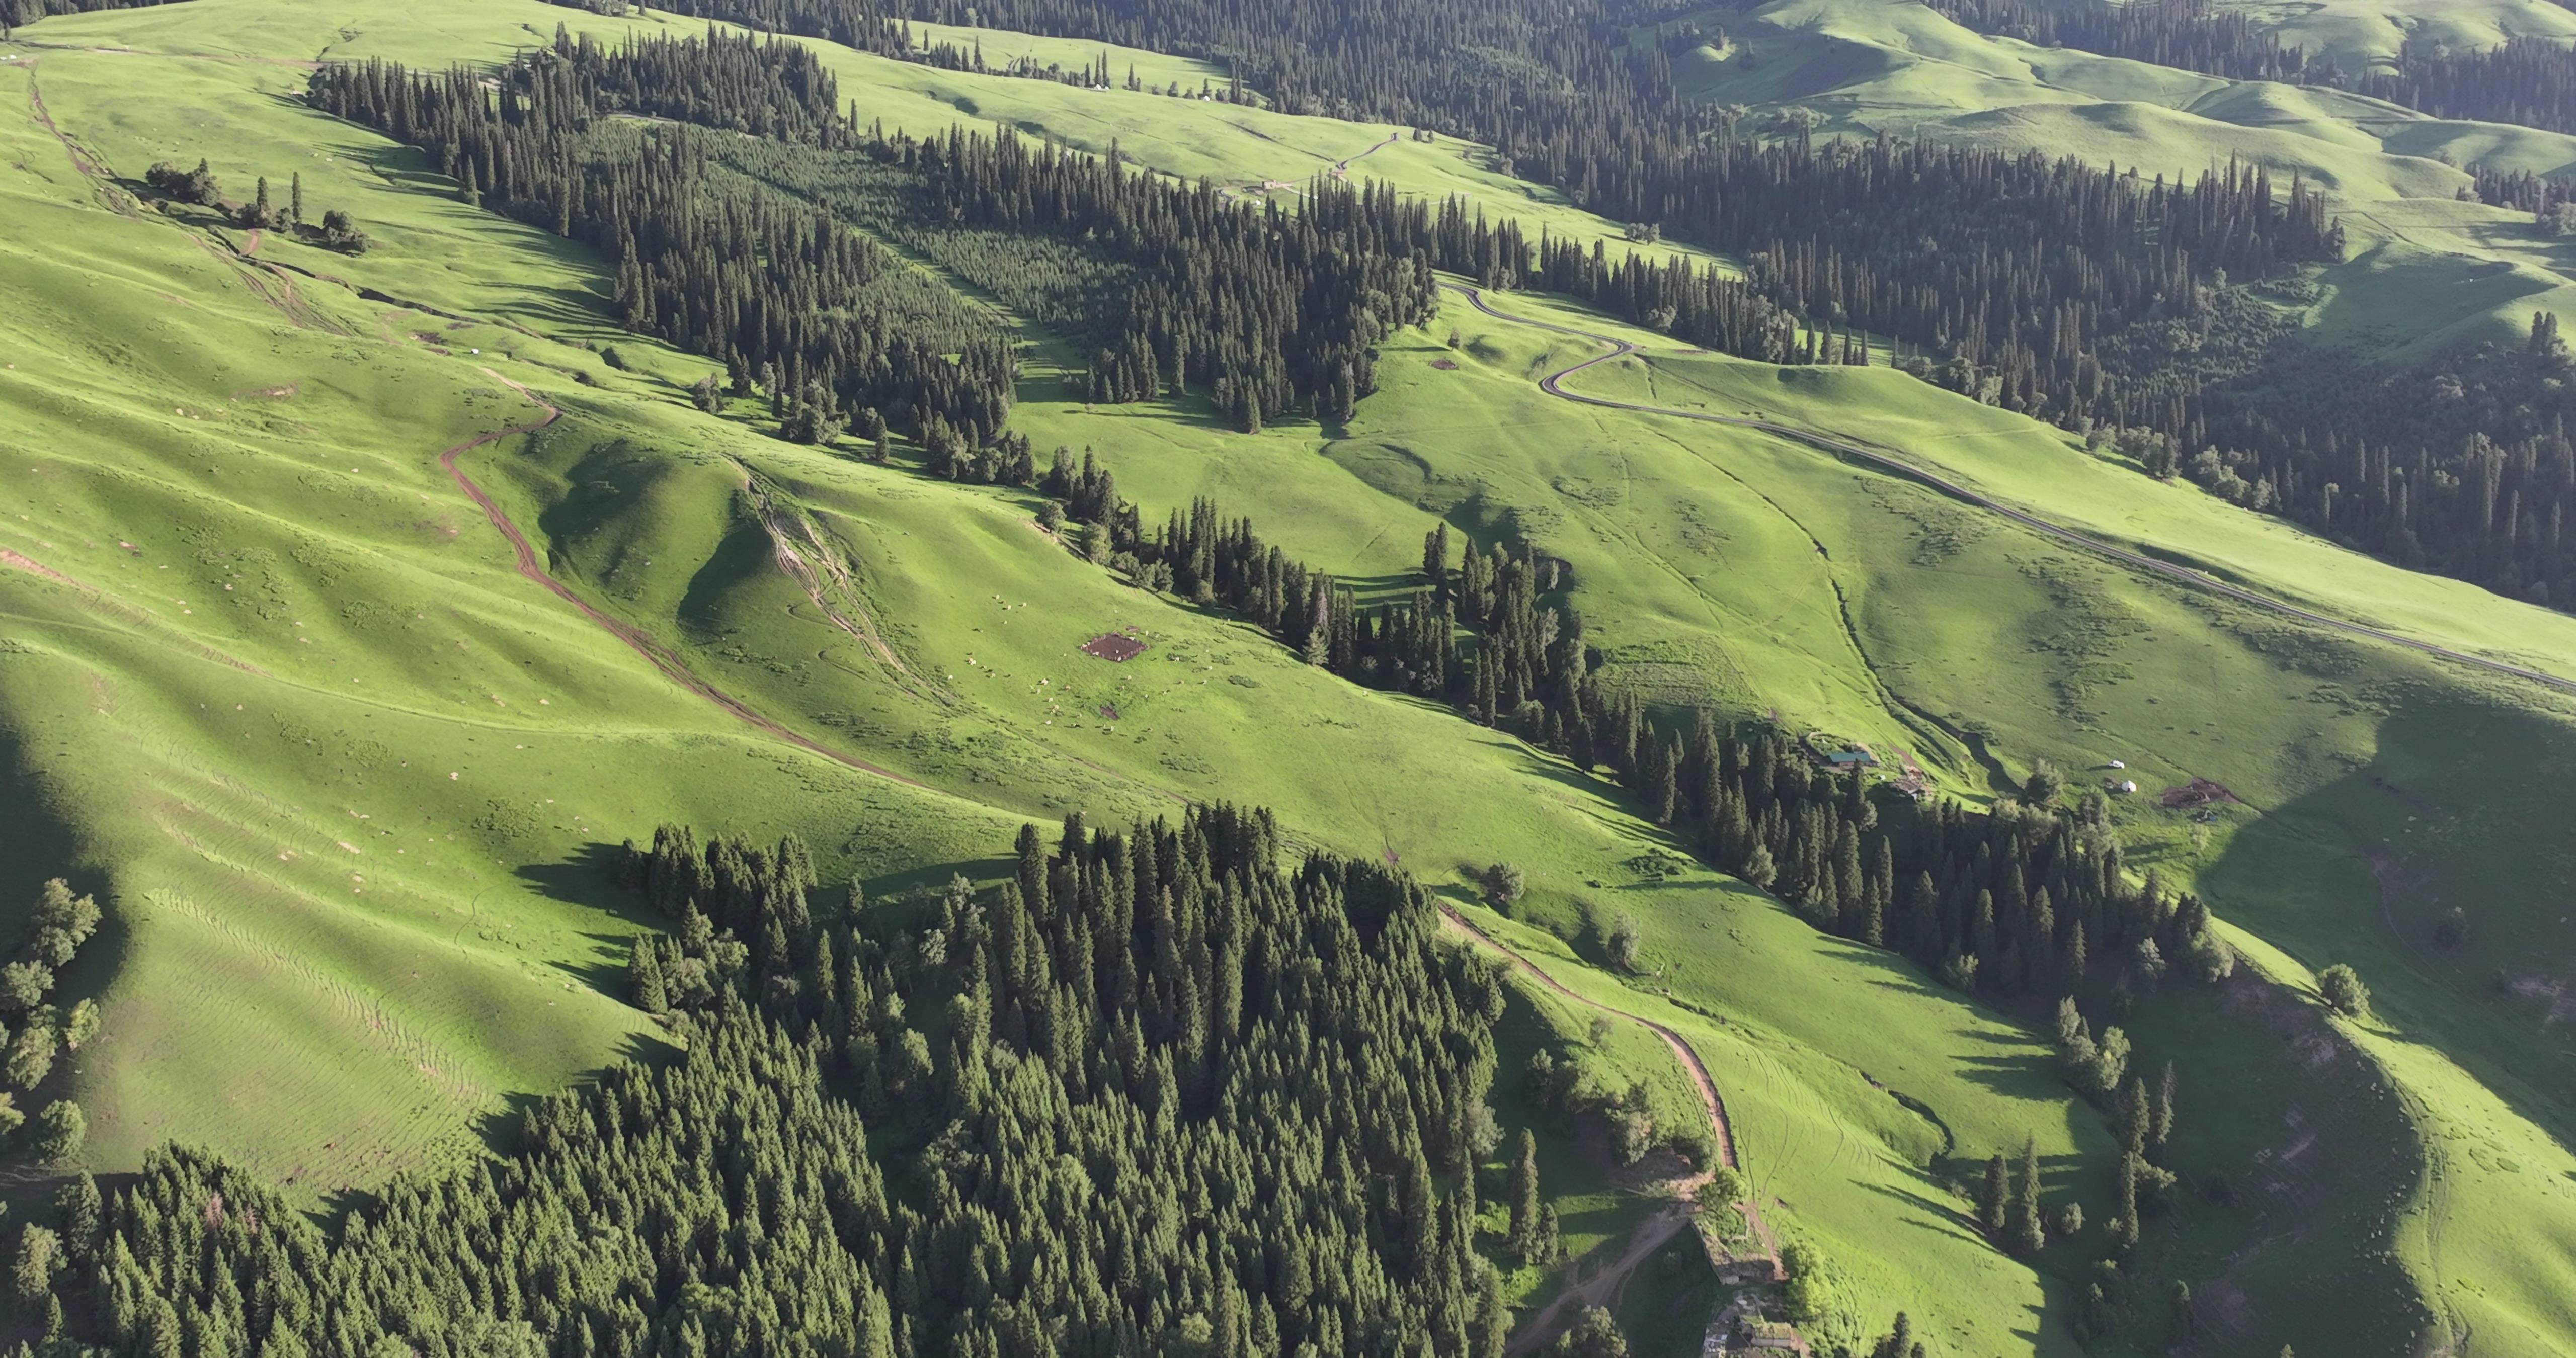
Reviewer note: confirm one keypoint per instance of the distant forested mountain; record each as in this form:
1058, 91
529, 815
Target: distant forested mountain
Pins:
2077, 294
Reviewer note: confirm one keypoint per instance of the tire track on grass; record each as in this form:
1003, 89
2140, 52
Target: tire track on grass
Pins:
1552, 384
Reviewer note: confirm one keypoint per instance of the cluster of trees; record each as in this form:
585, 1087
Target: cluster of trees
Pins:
1690, 302
2031, 899
200, 187
57, 927
762, 87
2027, 900
758, 281
1184, 1099
2099, 1070
1571, 1086
2526, 80
16, 12
2464, 466
1481, 634
1262, 309
2006, 272
2187, 34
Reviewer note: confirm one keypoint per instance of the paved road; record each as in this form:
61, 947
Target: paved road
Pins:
1552, 384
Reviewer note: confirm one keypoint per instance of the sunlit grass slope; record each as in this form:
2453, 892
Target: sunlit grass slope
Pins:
343, 775
1711, 566
334, 1016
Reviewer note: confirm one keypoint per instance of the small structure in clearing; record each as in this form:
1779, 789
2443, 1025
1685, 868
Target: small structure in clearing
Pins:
1858, 757
2198, 792
1116, 647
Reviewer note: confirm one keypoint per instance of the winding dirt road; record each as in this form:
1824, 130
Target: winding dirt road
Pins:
1602, 1284
1552, 384
657, 655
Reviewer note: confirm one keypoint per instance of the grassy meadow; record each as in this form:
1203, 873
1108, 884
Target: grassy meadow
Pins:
347, 779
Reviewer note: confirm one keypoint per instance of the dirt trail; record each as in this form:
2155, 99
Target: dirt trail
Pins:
1343, 166
100, 181
802, 556
1619, 348
653, 652
1667, 1222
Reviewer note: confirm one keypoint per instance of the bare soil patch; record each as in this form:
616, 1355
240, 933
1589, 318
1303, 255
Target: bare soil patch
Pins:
2197, 792
1117, 647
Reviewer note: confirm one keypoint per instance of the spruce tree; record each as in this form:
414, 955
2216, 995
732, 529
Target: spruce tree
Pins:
645, 985
2160, 1118
1995, 1200
1523, 1199
2029, 1235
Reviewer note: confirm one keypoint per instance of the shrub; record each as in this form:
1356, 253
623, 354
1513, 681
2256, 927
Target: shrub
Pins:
2452, 929
2343, 990
340, 232
1623, 942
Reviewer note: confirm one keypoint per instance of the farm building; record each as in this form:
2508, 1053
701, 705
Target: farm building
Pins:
1844, 760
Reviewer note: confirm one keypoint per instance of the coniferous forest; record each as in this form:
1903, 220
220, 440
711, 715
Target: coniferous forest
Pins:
1155, 1092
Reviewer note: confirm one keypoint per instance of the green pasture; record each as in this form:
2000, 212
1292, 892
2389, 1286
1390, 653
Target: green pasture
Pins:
283, 992
334, 1020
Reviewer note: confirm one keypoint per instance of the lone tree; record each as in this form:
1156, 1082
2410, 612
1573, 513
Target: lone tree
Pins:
1623, 942
1725, 1188
2343, 989
2043, 785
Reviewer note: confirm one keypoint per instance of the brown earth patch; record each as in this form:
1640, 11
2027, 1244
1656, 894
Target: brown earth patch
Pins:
1115, 647
2197, 792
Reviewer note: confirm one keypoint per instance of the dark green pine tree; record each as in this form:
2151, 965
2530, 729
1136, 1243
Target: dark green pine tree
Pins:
1523, 1199
2028, 1235
1994, 1201
645, 985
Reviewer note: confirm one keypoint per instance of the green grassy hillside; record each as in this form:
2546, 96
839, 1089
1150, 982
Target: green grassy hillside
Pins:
285, 541
422, 655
